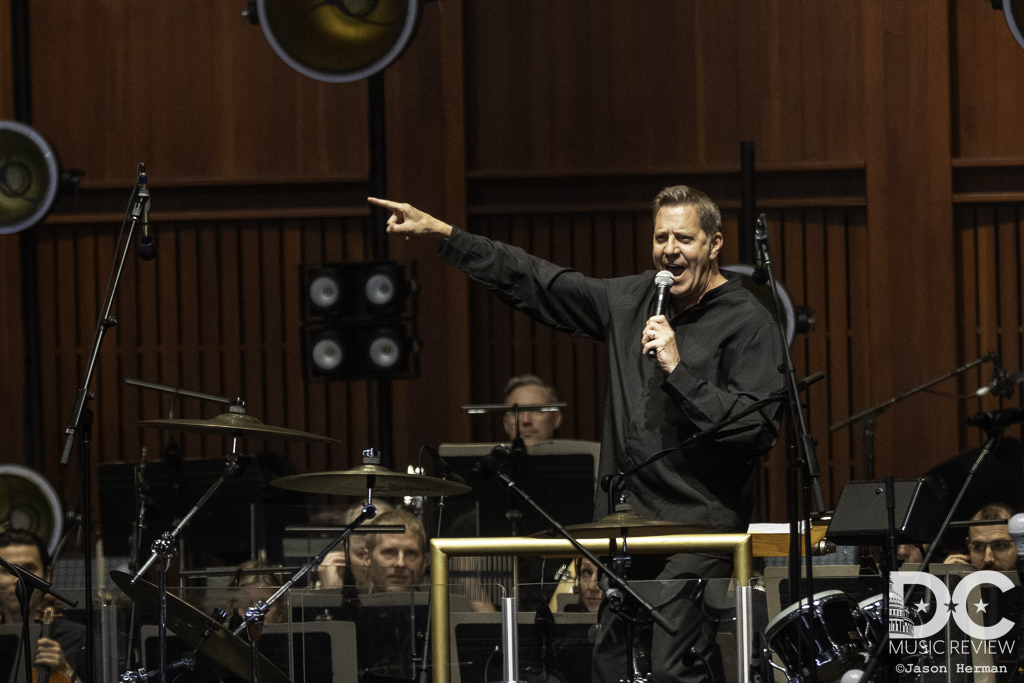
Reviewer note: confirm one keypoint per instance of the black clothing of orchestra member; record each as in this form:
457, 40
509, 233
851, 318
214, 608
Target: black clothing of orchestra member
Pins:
717, 352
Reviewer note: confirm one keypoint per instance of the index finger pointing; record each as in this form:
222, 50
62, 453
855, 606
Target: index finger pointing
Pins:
387, 204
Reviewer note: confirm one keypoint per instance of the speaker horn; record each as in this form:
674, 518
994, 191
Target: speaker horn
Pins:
338, 41
29, 177
29, 502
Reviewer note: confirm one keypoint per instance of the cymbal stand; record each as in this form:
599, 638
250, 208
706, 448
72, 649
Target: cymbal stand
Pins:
254, 616
186, 663
163, 547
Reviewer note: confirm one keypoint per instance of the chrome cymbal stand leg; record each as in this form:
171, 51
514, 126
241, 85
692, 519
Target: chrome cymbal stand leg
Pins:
254, 629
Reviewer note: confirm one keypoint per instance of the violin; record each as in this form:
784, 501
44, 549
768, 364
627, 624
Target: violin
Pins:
41, 673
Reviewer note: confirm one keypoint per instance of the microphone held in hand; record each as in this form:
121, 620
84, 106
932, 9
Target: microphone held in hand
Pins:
663, 280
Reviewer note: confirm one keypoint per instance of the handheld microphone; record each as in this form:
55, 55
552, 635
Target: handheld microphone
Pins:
663, 280
760, 275
147, 248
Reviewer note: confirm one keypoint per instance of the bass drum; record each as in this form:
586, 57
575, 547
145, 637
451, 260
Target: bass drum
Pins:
837, 644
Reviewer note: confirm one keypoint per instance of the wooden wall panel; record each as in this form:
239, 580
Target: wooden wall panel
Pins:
911, 295
663, 84
988, 92
216, 312
191, 89
991, 239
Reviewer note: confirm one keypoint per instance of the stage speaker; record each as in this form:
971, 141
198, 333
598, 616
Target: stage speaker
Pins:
861, 518
29, 502
338, 41
29, 177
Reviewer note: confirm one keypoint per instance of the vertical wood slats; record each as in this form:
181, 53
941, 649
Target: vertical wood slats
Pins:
991, 254
813, 258
218, 312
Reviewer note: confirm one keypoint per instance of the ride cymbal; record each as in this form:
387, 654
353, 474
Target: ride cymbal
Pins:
199, 631
628, 524
235, 424
356, 481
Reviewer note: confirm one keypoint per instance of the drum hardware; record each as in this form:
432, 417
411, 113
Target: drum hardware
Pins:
370, 476
238, 425
202, 633
163, 546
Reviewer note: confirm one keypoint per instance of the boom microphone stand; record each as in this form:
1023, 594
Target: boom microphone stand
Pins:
80, 424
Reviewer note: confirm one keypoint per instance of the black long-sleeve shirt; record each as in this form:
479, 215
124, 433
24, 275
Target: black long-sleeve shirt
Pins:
729, 356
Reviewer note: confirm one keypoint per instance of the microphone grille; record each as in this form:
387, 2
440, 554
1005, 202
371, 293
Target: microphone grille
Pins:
664, 278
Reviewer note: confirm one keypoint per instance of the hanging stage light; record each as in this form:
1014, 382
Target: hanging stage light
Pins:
29, 177
338, 41
1013, 10
28, 502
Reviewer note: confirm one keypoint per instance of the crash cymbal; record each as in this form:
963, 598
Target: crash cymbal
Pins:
629, 524
231, 424
356, 481
199, 631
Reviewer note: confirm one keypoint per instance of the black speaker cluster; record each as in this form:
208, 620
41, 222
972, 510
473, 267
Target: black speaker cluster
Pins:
356, 325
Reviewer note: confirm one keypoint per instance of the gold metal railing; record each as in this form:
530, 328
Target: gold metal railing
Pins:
740, 545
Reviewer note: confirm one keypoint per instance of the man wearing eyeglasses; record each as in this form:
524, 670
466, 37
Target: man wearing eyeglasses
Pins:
989, 547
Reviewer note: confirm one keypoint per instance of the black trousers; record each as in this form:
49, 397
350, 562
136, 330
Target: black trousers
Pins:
671, 657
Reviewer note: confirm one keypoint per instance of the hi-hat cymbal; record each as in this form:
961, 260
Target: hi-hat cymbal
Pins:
628, 524
232, 424
199, 631
356, 481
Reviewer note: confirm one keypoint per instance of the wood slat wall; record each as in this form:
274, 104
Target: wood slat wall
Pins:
821, 261
218, 312
991, 249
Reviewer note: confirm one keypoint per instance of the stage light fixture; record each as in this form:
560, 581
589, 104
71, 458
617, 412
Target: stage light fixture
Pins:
29, 177
337, 41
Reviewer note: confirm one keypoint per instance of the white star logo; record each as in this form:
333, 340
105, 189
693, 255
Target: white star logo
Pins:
980, 606
922, 606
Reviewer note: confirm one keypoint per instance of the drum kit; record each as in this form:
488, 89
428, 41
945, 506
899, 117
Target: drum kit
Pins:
839, 633
208, 636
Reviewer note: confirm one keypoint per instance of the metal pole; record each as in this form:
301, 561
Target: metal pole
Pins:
509, 640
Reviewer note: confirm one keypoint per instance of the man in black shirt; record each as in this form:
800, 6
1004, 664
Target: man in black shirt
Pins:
715, 352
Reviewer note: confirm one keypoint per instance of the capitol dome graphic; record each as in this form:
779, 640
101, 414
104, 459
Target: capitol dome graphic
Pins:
900, 625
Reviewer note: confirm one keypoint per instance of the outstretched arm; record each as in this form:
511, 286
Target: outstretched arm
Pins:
408, 220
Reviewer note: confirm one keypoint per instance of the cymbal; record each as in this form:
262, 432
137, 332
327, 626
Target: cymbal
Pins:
628, 524
199, 631
231, 424
356, 481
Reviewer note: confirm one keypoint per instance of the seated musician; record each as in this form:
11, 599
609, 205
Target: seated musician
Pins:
590, 593
331, 572
534, 426
255, 587
64, 651
395, 562
989, 547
